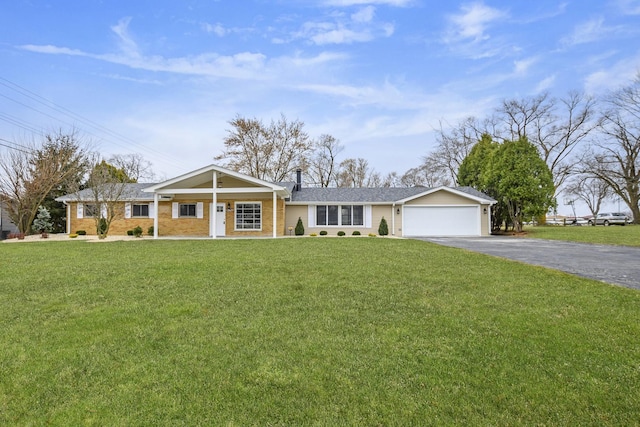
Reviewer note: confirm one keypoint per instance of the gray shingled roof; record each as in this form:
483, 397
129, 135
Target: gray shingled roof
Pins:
131, 192
369, 195
304, 195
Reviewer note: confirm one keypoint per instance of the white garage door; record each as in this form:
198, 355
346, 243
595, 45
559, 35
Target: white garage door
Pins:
441, 221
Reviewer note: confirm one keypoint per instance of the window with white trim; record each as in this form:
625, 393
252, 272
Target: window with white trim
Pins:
340, 215
140, 211
187, 210
249, 216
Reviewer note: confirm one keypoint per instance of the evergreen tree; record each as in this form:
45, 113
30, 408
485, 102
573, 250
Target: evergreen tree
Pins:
383, 229
299, 227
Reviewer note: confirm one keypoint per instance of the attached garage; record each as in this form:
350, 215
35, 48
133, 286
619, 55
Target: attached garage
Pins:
441, 221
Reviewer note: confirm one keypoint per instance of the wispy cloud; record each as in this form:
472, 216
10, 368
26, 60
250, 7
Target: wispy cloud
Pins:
473, 21
217, 29
358, 27
521, 67
467, 33
242, 65
546, 84
629, 7
397, 3
614, 76
587, 32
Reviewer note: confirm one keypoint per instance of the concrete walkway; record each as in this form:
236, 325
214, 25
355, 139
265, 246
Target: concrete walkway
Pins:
619, 265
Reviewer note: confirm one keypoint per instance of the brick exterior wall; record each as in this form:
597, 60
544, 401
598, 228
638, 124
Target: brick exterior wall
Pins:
193, 227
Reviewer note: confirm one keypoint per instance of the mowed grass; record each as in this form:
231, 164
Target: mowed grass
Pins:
308, 331
628, 235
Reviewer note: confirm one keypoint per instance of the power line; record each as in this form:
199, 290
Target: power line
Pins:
128, 142
15, 146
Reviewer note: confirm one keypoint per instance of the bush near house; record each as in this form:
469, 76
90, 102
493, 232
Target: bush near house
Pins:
137, 231
383, 229
299, 228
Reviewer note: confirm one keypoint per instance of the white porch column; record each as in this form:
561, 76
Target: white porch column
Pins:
275, 211
68, 208
156, 214
213, 220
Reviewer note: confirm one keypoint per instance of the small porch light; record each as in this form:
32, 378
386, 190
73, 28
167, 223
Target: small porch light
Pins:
484, 211
229, 207
398, 211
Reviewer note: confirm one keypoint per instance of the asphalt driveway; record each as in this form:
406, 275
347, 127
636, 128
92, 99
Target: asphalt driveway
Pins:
619, 265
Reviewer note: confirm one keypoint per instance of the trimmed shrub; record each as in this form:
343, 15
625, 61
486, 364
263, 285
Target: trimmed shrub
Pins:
341, 233
299, 227
355, 233
323, 233
383, 229
313, 234
137, 231
150, 231
73, 235
81, 232
129, 232
373, 235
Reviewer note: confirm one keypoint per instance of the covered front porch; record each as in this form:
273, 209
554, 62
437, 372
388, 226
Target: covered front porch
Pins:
215, 202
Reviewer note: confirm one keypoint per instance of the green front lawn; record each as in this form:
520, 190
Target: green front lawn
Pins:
308, 331
628, 235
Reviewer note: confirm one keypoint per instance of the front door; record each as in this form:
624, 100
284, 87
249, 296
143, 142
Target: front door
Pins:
219, 218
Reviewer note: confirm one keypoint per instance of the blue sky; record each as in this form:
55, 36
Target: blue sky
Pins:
163, 78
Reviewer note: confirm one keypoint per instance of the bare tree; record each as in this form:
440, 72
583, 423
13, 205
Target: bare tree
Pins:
392, 179
424, 176
555, 126
454, 144
592, 191
615, 157
272, 153
108, 185
355, 173
29, 174
322, 166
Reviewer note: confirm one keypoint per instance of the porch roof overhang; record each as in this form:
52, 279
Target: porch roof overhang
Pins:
192, 183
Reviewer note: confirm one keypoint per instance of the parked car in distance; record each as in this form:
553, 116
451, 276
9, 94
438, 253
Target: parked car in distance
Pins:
612, 218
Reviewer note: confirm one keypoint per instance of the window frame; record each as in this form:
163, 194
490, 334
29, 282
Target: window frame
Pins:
239, 210
139, 205
338, 211
188, 214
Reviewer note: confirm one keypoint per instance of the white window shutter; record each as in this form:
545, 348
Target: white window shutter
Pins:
127, 210
152, 212
174, 210
80, 211
367, 216
311, 220
103, 210
200, 210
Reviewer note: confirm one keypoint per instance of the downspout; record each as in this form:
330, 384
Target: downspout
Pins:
393, 219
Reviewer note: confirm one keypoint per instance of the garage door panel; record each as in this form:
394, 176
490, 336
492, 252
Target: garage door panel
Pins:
441, 221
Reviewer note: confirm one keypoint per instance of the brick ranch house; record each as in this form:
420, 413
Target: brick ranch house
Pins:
218, 202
